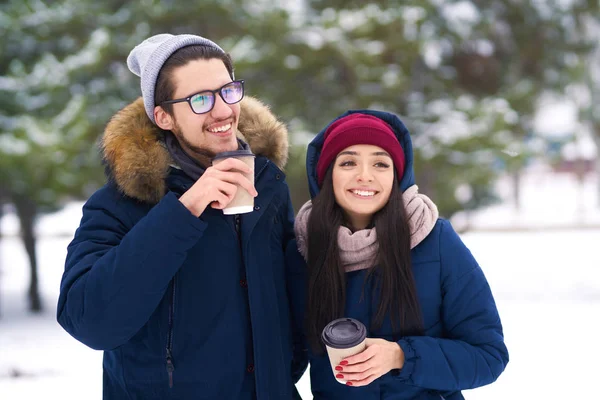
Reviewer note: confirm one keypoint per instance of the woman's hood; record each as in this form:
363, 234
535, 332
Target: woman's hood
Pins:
314, 149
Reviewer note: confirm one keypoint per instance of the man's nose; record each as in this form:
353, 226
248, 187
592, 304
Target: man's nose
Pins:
221, 110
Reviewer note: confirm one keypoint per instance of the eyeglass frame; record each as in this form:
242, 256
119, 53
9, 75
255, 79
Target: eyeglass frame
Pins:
214, 93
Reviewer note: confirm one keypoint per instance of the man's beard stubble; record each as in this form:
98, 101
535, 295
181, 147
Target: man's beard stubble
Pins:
202, 156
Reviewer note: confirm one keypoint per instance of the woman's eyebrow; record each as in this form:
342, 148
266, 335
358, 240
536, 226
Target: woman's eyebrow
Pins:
381, 153
355, 153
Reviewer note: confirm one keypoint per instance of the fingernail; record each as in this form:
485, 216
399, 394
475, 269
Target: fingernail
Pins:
339, 376
349, 383
338, 368
344, 362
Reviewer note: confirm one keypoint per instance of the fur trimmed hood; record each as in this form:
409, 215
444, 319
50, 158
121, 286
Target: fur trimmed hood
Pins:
139, 162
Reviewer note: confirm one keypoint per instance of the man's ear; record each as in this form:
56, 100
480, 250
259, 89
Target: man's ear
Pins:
163, 119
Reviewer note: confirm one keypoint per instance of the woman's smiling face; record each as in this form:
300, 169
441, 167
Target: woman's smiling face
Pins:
363, 176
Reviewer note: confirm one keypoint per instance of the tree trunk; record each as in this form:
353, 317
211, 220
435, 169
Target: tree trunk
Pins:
596, 137
1, 213
598, 175
580, 168
3, 200
26, 211
516, 178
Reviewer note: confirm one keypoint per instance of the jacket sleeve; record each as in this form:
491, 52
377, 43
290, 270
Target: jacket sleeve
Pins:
295, 285
473, 353
116, 275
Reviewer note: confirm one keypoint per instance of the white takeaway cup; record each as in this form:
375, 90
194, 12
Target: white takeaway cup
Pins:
242, 202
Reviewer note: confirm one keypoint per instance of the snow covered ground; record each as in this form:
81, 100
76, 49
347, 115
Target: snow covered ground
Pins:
546, 284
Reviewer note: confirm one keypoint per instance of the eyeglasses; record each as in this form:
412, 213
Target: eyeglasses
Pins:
203, 102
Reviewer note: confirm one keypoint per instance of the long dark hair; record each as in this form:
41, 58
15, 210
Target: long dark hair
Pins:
394, 282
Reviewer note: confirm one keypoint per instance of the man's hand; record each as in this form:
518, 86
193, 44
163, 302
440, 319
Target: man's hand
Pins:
217, 185
380, 357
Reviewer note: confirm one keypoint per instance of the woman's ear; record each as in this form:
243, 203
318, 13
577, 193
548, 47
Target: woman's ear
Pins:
163, 119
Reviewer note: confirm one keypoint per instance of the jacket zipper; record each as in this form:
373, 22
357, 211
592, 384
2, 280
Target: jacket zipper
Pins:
238, 229
170, 364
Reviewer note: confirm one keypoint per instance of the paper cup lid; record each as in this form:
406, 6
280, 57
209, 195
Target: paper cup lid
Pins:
234, 153
344, 333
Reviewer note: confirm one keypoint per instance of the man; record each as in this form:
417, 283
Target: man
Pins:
186, 302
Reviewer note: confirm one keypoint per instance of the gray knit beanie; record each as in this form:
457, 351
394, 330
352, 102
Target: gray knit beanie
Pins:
148, 57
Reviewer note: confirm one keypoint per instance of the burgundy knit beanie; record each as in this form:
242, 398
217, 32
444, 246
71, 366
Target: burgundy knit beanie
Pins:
358, 129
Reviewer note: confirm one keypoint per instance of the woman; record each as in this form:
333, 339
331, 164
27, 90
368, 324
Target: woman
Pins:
370, 247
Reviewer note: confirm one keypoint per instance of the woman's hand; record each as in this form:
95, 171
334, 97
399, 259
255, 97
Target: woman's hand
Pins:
380, 357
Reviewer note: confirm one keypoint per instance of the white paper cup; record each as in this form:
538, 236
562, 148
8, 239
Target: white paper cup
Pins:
343, 338
242, 202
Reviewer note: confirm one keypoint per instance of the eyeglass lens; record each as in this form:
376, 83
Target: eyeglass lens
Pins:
231, 94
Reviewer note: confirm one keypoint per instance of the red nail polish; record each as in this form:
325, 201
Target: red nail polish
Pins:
338, 368
339, 376
349, 383
344, 362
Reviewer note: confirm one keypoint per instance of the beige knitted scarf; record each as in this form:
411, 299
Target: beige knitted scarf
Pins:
358, 250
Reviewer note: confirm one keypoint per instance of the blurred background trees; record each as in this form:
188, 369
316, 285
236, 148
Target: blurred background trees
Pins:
466, 77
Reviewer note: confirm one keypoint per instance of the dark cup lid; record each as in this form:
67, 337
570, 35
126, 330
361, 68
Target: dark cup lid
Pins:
344, 333
234, 153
